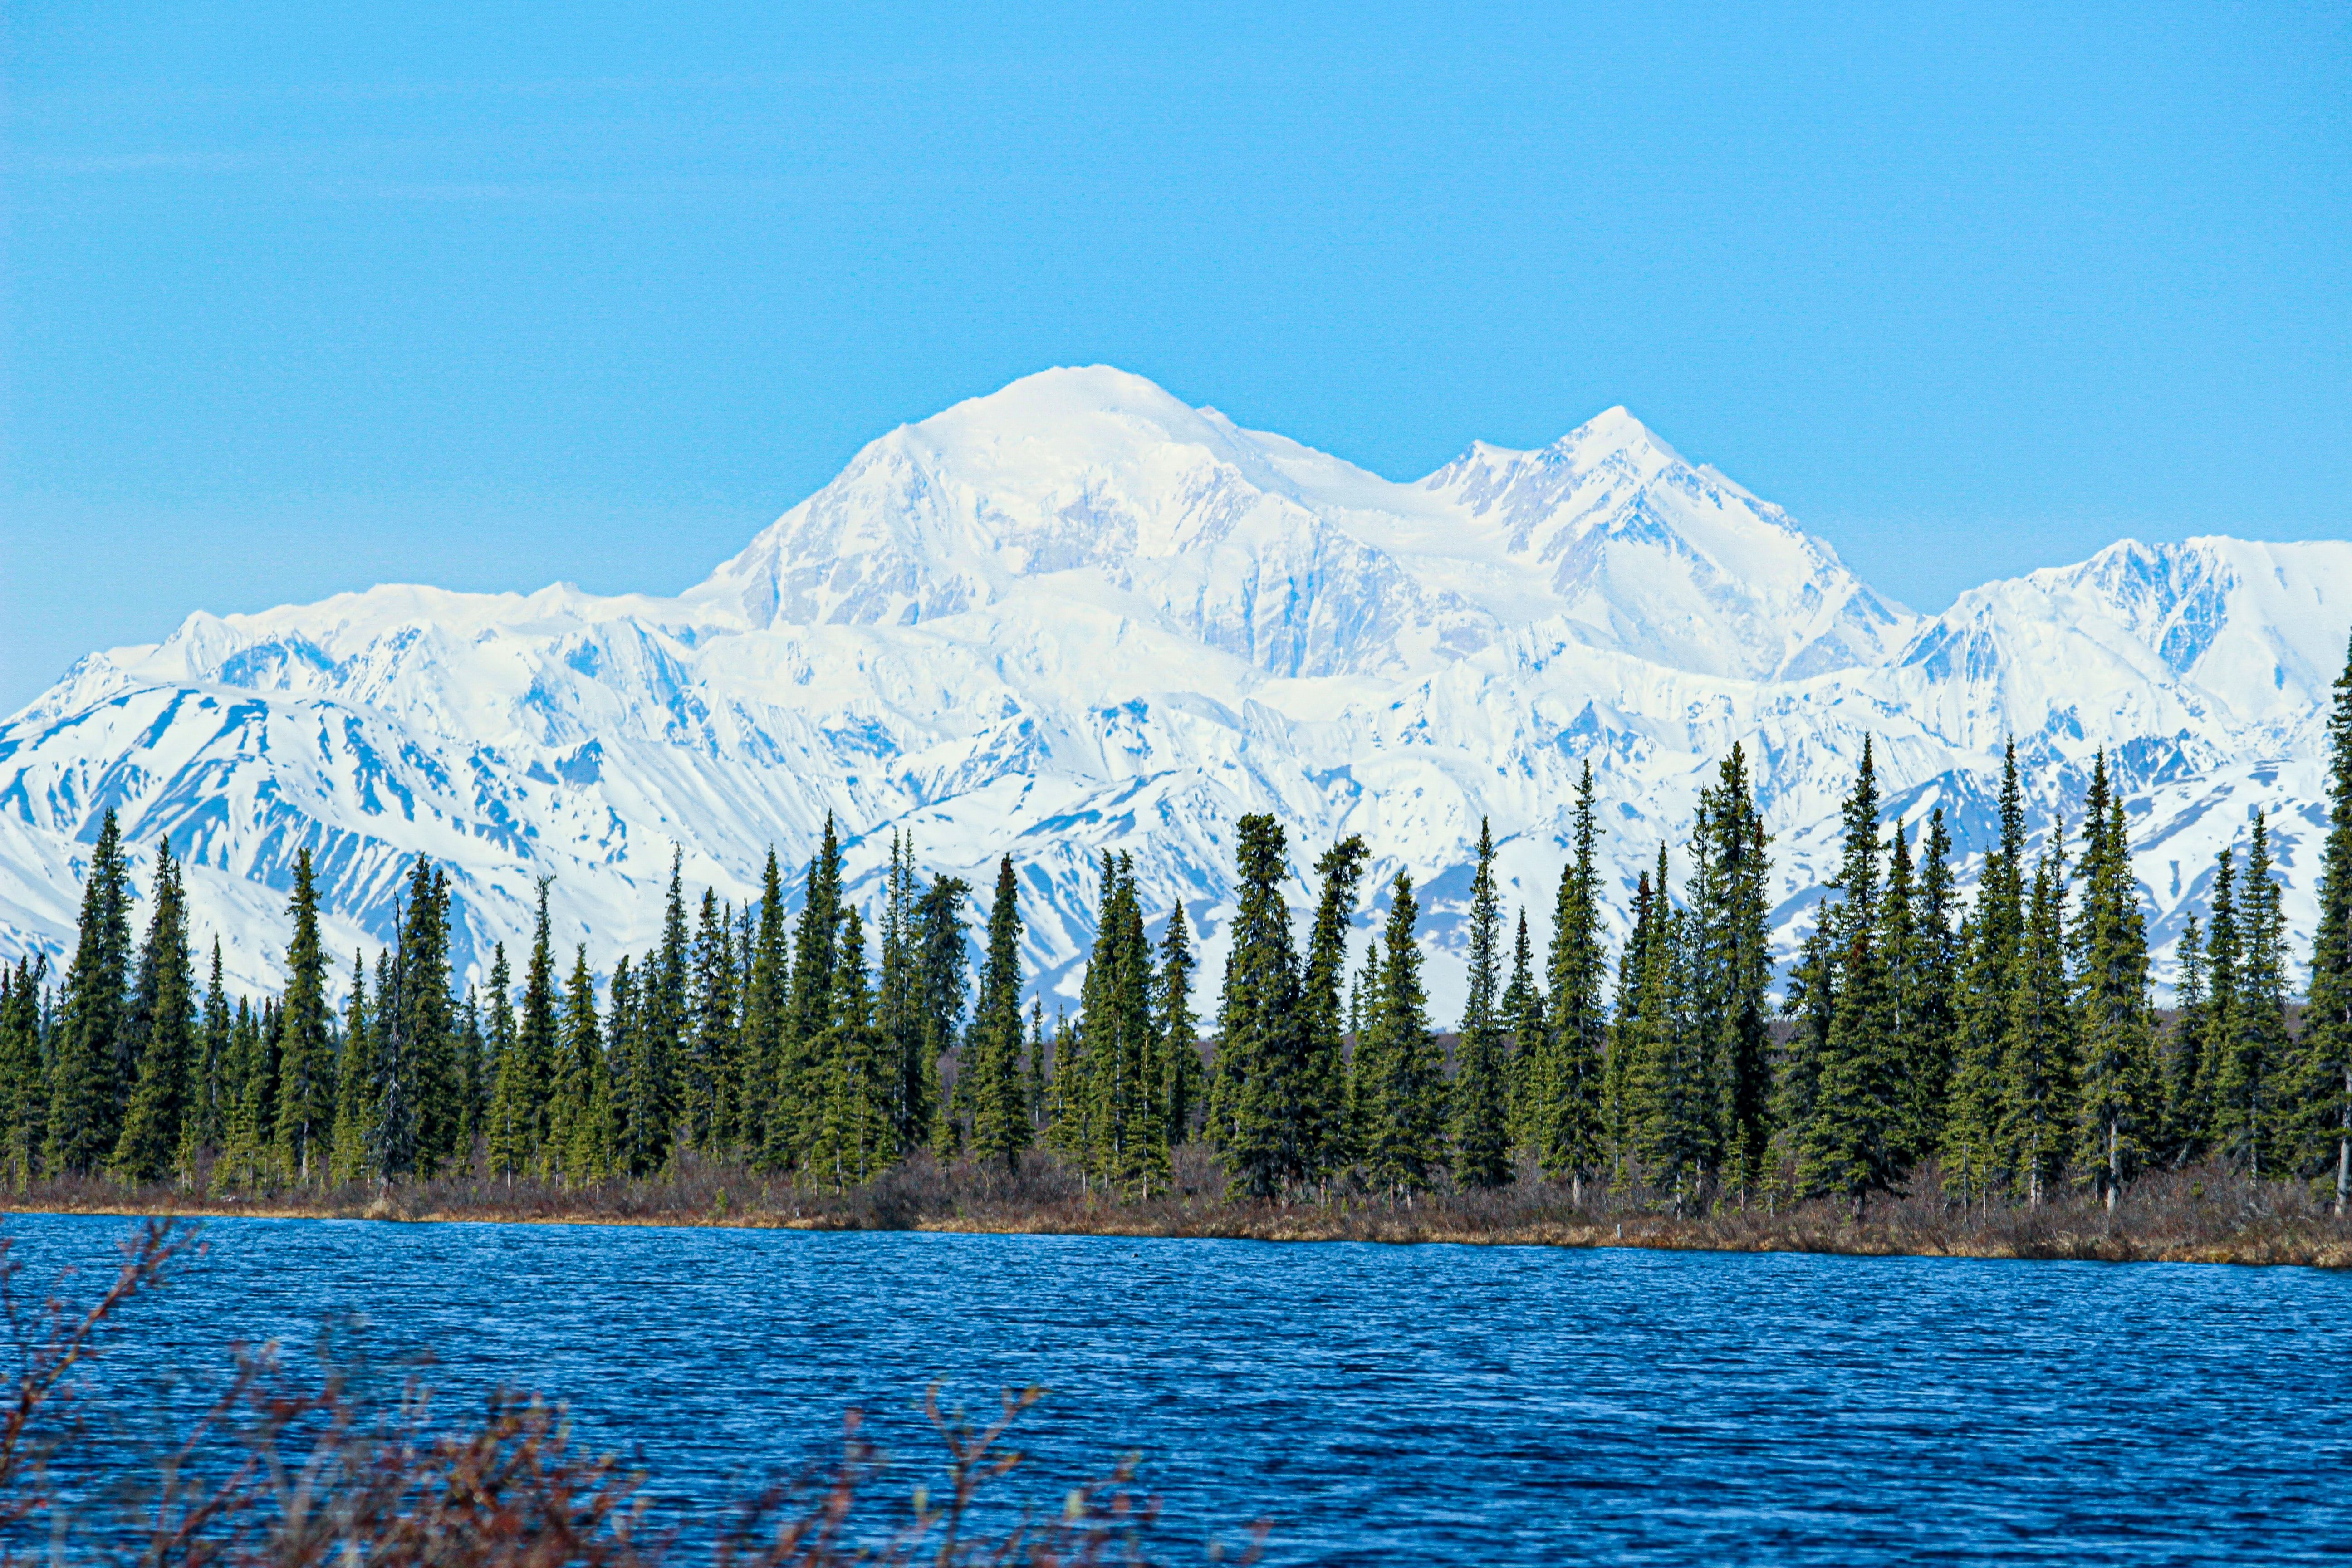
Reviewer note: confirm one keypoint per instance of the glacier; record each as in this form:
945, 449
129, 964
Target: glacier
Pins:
1078, 616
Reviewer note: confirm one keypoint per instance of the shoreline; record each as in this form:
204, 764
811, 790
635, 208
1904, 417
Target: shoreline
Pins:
2015, 1236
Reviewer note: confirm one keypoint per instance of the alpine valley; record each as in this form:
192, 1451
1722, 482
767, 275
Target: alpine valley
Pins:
1078, 616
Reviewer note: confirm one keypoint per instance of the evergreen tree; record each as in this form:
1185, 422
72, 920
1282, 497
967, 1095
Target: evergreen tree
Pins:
855, 1135
508, 1134
2246, 1113
2038, 1067
580, 1125
942, 967
355, 1082
644, 1089
2183, 1126
709, 1082
1929, 1021
1847, 1146
1730, 959
1568, 1075
24, 1091
1325, 1132
1401, 1072
307, 1076
474, 1079
800, 1086
88, 1074
536, 1046
2119, 1097
766, 993
1262, 1055
2217, 1029
898, 1006
1523, 1029
1178, 1030
1625, 1031
1481, 1092
164, 1024
2320, 1087
1669, 1098
1972, 1111
420, 1115
213, 1086
1000, 1118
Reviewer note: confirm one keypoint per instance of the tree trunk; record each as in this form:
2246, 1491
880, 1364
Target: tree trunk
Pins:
2114, 1166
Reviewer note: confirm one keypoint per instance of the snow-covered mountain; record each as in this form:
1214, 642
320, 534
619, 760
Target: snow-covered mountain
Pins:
1078, 616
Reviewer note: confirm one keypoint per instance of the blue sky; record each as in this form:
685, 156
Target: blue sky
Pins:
298, 299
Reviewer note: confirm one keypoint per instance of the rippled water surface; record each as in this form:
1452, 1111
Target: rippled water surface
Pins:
1379, 1405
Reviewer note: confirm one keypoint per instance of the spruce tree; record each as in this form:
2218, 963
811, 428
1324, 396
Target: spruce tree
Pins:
88, 1080
854, 1128
474, 1079
2183, 1127
643, 1089
1262, 1055
898, 1005
1568, 1076
24, 1091
1325, 1132
1669, 1097
305, 1109
942, 969
2247, 1118
1995, 928
213, 1086
1925, 1071
999, 1120
1848, 1146
2320, 1080
1178, 1032
1402, 1073
766, 992
1626, 1027
1523, 1030
1731, 958
508, 1134
536, 1045
580, 1125
2217, 1029
1481, 1107
354, 1141
708, 1081
800, 1085
2120, 1098
164, 1023
2038, 1072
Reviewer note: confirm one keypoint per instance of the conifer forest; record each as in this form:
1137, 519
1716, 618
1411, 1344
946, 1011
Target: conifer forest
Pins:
1997, 1049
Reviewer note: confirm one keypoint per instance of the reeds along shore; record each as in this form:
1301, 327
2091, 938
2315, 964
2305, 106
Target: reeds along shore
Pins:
2201, 1215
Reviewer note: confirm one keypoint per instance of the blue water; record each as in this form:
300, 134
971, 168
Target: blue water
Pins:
1385, 1405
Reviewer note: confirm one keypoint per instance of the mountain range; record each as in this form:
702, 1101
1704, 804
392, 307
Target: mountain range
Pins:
1079, 616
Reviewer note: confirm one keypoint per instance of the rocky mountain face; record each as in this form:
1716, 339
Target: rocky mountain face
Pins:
1079, 617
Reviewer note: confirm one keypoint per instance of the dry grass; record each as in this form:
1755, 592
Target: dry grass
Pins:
2200, 1216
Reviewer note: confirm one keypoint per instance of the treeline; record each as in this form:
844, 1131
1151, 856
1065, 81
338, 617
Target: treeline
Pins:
2009, 1045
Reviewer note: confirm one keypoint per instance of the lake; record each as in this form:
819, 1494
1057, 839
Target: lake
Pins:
1385, 1403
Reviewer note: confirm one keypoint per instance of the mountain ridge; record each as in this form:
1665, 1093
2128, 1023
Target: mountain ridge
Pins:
1076, 616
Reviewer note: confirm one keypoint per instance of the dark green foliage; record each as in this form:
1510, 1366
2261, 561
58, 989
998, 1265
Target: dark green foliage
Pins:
1111, 1116
1178, 1030
351, 1149
1401, 1083
2038, 1067
2119, 1098
710, 1086
795, 1122
992, 1055
2248, 1119
854, 1139
942, 967
580, 1121
766, 991
213, 1086
24, 1088
1481, 1088
307, 1076
1930, 985
1728, 952
1262, 1064
164, 1027
2318, 1125
1325, 1136
898, 1006
1995, 928
89, 1073
1849, 1144
1523, 1032
1566, 1089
